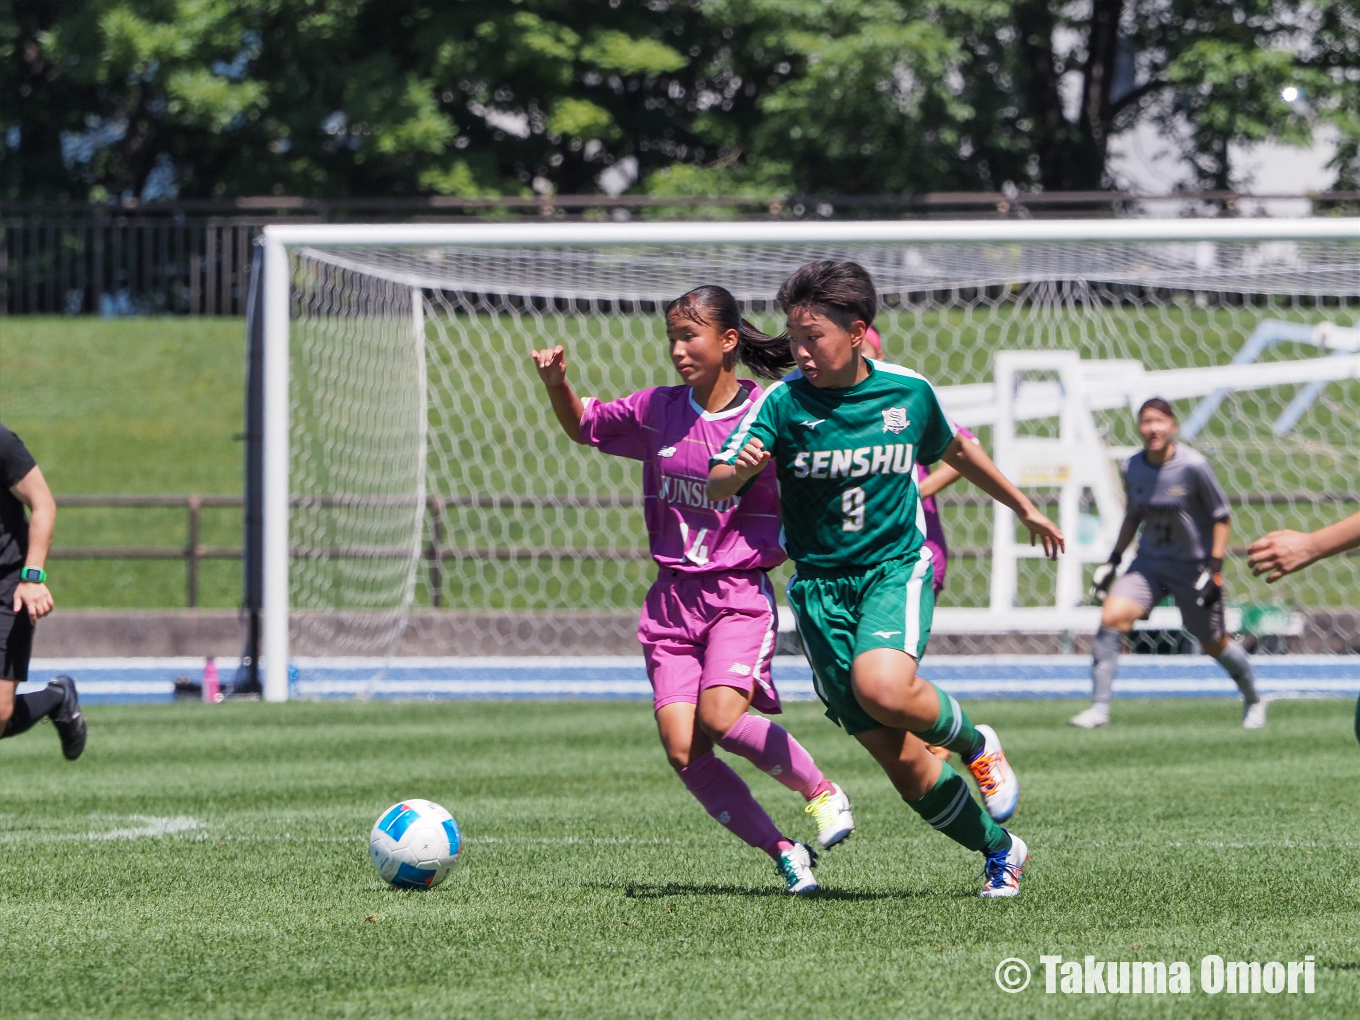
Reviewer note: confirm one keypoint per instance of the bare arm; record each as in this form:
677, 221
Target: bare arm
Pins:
1126, 532
726, 480
942, 477
971, 461
1284, 552
566, 405
33, 492
1222, 532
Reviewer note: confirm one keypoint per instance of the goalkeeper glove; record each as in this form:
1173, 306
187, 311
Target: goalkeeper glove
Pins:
1209, 584
1103, 578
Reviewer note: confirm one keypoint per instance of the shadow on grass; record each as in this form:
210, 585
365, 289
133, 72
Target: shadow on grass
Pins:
649, 891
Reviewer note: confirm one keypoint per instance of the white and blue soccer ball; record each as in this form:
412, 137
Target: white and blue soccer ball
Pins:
415, 844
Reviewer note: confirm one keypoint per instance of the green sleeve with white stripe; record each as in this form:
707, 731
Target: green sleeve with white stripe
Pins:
938, 431
760, 422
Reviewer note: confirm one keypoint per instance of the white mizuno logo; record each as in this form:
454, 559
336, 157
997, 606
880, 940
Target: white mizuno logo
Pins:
886, 633
895, 419
739, 668
812, 424
666, 451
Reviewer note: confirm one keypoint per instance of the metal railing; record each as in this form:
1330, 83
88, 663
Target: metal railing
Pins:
193, 257
436, 551
192, 552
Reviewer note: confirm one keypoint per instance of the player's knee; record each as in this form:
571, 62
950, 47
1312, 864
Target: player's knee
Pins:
1118, 614
679, 754
887, 691
716, 720
1214, 647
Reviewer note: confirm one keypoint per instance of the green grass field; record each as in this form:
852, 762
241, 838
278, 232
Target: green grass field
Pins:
131, 407
592, 885
154, 406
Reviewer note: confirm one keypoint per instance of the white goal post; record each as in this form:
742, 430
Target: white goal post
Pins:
1052, 377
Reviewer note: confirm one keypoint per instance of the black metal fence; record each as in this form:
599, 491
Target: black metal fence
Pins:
193, 257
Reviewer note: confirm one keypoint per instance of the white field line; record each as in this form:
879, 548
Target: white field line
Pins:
145, 827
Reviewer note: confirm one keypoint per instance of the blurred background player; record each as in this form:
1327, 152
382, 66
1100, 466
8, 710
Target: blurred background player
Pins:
928, 485
1283, 552
844, 433
1172, 493
709, 622
24, 599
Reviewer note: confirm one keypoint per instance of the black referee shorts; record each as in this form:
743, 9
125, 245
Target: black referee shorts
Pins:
16, 643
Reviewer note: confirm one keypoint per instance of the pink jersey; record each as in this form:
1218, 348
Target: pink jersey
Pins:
674, 438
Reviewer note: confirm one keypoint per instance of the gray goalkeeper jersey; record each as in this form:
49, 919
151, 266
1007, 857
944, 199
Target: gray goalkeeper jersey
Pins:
1177, 503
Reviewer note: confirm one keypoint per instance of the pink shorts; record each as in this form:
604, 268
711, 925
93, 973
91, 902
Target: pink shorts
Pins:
710, 630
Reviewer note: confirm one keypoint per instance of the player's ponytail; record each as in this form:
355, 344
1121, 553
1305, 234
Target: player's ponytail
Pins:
767, 356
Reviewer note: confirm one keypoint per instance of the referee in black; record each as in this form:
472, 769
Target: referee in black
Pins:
24, 599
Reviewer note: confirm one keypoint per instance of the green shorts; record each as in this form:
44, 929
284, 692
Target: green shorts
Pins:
842, 614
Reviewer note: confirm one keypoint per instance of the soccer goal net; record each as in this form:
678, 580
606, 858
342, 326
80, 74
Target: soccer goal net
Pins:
421, 499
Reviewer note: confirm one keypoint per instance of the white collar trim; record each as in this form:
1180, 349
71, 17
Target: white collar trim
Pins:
718, 415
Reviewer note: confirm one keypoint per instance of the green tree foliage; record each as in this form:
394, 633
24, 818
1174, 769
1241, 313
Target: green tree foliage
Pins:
204, 98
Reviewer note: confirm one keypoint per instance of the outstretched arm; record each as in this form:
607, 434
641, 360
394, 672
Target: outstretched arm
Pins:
552, 369
1283, 552
972, 462
33, 492
942, 477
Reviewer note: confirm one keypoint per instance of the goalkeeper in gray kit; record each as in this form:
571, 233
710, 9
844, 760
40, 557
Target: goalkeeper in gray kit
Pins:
1173, 496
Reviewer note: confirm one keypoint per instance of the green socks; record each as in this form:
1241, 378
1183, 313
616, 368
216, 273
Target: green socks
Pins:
953, 729
950, 807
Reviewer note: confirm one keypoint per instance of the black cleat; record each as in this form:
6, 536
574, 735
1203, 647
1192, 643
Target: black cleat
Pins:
69, 720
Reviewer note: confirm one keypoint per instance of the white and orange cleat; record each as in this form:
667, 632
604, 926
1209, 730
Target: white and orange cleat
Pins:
995, 777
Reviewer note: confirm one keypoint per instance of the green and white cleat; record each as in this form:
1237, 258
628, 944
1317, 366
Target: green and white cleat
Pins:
795, 866
831, 811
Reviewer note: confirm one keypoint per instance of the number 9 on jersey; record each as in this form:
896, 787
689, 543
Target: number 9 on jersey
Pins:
852, 509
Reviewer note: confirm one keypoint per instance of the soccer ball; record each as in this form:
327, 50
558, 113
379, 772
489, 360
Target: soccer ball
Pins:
414, 844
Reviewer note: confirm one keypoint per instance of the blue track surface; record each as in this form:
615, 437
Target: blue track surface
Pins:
1041, 676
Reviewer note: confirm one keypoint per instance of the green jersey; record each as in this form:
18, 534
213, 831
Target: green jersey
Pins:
846, 462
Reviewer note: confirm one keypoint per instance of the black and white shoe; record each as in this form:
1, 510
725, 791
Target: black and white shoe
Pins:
69, 720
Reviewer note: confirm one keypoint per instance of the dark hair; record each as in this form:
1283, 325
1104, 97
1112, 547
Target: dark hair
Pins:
766, 356
842, 291
1157, 404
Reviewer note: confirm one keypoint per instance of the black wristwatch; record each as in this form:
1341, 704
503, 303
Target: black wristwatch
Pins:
33, 575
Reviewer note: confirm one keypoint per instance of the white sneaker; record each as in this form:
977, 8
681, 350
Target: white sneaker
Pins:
1096, 715
832, 813
1002, 872
995, 777
795, 866
1254, 716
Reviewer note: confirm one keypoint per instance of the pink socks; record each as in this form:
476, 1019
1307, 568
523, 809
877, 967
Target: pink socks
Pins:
770, 748
728, 799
